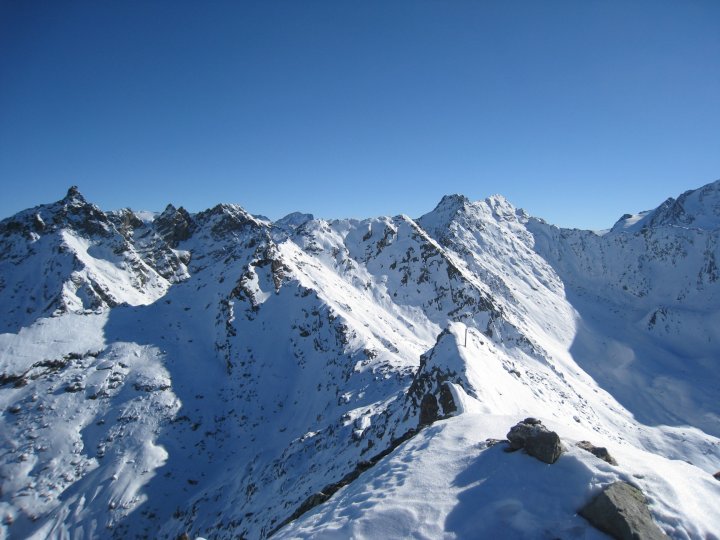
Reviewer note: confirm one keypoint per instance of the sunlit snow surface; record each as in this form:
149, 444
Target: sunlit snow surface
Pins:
447, 483
207, 373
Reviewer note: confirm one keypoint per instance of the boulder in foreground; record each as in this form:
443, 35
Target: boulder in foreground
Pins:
621, 511
536, 440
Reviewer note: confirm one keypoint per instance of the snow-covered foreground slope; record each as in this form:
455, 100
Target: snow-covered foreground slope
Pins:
223, 376
451, 481
448, 482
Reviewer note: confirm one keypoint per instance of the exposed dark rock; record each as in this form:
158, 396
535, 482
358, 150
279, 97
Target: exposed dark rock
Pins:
432, 382
9, 378
81, 215
428, 410
75, 386
621, 511
447, 402
270, 256
717, 475
126, 222
14, 409
598, 451
174, 225
38, 223
150, 386
489, 443
74, 193
536, 440
12, 226
312, 501
329, 490
226, 219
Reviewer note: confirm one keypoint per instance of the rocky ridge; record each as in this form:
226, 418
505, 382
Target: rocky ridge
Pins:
222, 375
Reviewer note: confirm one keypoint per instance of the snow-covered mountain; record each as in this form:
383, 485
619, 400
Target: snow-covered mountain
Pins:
225, 376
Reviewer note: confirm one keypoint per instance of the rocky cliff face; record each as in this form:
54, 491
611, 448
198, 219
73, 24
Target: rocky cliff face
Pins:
220, 374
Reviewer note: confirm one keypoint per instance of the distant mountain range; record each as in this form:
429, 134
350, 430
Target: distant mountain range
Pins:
220, 375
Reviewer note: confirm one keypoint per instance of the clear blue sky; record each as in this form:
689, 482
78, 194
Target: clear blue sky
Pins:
577, 111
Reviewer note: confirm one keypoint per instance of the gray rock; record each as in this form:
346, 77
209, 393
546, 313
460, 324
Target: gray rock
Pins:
536, 440
489, 443
174, 225
75, 386
598, 451
312, 501
621, 511
428, 410
447, 402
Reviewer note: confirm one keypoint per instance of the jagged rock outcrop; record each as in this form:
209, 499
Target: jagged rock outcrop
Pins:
174, 225
430, 391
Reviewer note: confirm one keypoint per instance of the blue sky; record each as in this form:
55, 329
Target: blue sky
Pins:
576, 111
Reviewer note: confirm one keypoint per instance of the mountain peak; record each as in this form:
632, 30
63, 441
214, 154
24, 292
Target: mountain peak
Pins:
73, 194
443, 214
498, 199
174, 225
293, 220
169, 210
224, 219
695, 209
499, 204
454, 201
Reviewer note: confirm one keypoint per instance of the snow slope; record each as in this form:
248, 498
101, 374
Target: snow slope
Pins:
225, 376
648, 301
448, 483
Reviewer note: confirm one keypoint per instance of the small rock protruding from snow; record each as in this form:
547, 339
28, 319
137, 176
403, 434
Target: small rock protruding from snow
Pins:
716, 476
14, 409
621, 511
489, 443
597, 451
536, 440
